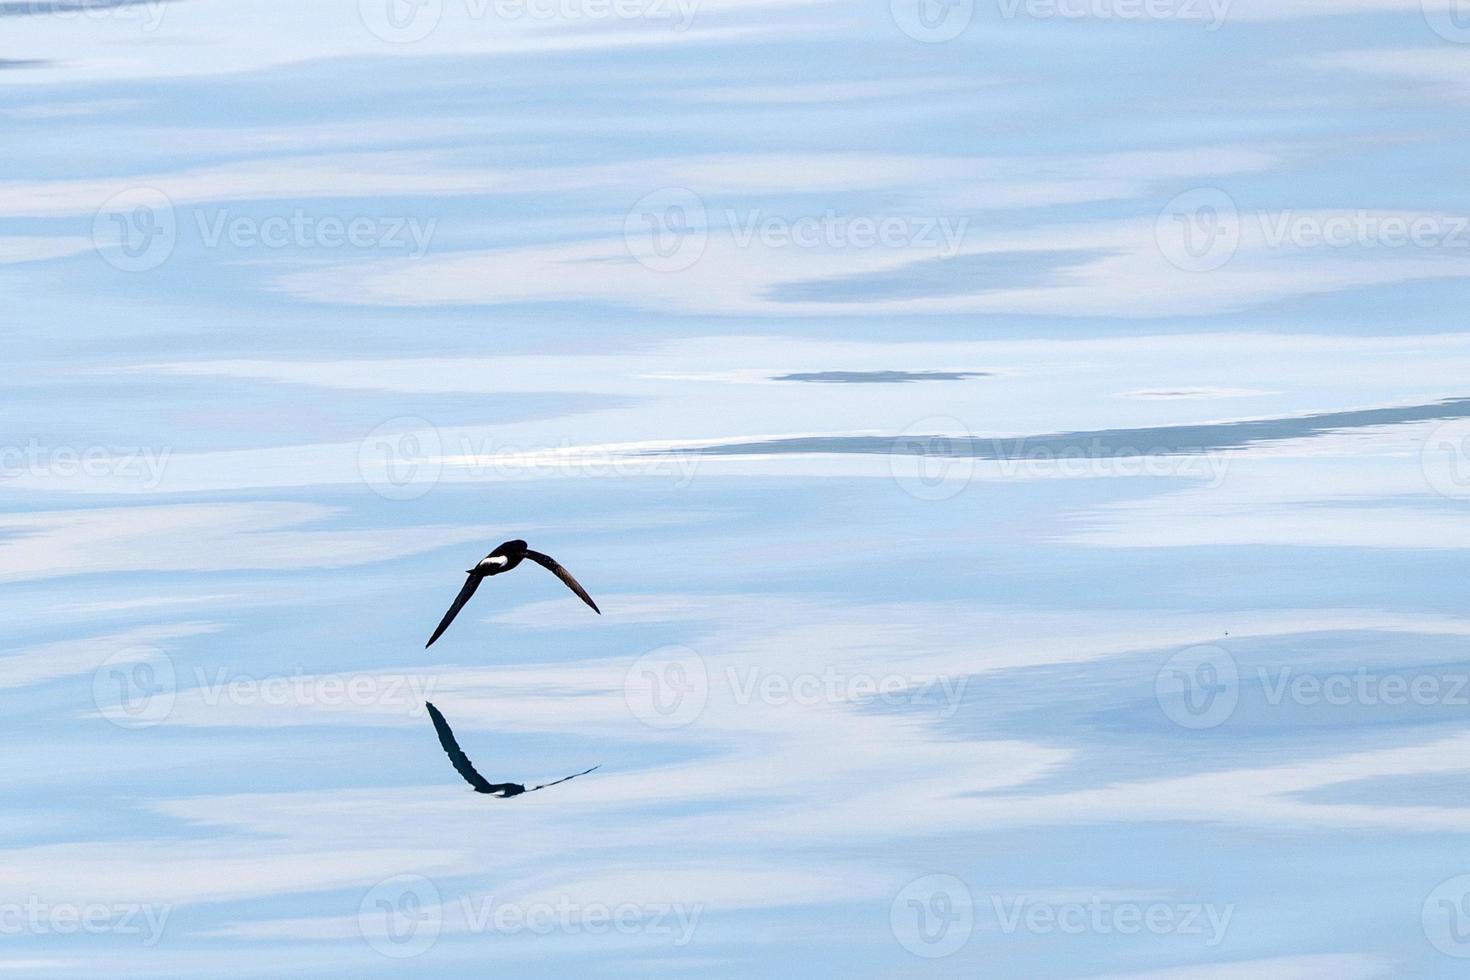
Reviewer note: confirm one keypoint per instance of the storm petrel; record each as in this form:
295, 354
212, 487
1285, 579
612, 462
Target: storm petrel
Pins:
503, 559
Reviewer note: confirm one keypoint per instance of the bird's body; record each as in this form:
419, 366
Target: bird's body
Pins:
493, 564
466, 769
503, 559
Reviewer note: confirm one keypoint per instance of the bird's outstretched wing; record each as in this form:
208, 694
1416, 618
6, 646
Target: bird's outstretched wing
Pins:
546, 561
471, 584
456, 755
562, 779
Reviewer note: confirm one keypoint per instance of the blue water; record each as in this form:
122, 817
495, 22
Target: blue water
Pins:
1019, 450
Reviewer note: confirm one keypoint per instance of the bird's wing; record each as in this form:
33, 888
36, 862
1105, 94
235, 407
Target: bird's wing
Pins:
563, 779
470, 585
456, 755
546, 561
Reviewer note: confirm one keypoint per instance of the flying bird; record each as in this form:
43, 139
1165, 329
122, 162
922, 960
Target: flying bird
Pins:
503, 559
463, 766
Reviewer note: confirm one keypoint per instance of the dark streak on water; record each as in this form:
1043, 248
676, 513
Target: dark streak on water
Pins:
881, 377
1101, 443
